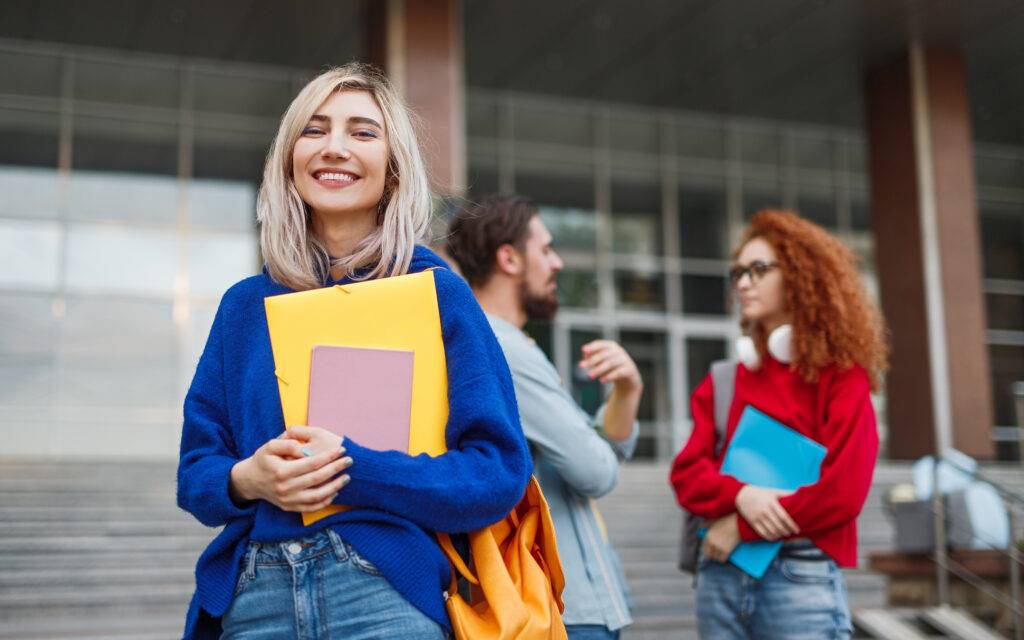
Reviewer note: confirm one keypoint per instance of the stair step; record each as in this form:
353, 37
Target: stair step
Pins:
887, 624
957, 623
89, 577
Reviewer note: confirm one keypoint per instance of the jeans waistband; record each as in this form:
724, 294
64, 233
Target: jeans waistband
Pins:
299, 549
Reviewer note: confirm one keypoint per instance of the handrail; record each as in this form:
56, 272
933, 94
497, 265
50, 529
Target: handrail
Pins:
946, 566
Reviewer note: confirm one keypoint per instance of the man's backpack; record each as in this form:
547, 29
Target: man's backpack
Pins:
516, 581
723, 379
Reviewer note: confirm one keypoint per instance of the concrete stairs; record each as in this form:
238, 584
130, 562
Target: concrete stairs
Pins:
92, 550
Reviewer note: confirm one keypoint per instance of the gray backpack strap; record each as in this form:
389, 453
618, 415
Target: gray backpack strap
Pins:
723, 378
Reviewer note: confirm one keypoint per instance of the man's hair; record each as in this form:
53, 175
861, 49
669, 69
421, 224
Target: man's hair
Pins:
477, 231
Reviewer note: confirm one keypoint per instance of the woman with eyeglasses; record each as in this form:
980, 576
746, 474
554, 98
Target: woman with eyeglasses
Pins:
812, 352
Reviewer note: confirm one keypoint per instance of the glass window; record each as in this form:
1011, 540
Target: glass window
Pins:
217, 261
1002, 240
30, 254
703, 222
705, 295
857, 157
28, 138
1005, 311
995, 171
118, 144
553, 126
700, 141
819, 206
481, 119
634, 133
137, 369
640, 290
636, 218
127, 83
588, 393
28, 192
27, 336
577, 289
700, 353
860, 212
117, 260
540, 332
1007, 364
760, 195
222, 204
649, 351
31, 74
123, 197
760, 147
812, 152
482, 182
234, 93
228, 152
566, 206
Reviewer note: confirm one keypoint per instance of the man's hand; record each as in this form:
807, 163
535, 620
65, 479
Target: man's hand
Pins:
760, 507
608, 361
721, 538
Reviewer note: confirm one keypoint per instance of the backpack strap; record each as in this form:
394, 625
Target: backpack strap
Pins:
723, 379
458, 564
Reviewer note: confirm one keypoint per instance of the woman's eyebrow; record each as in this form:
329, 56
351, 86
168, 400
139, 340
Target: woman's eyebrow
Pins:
364, 120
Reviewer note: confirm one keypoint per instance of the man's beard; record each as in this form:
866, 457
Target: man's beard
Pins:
537, 307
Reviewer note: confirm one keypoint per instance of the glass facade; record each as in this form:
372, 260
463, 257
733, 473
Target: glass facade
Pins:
127, 197
127, 204
644, 206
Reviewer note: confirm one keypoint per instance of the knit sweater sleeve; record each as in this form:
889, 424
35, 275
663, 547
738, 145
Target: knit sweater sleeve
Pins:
487, 465
207, 448
850, 434
699, 487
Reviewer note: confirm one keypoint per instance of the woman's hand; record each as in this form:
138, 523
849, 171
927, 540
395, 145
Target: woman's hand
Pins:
760, 507
284, 473
721, 538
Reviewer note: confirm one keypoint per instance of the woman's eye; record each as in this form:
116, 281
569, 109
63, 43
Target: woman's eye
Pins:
310, 131
365, 133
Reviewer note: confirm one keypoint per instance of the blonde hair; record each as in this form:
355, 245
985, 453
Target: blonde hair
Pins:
295, 256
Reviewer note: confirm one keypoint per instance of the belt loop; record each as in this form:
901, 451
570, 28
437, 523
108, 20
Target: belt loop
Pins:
250, 566
338, 545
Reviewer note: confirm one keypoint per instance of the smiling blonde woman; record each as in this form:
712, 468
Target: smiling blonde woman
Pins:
344, 198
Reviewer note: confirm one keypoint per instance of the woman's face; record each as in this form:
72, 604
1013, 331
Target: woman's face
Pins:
339, 163
759, 286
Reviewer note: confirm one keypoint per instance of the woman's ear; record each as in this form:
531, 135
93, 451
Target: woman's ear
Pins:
508, 260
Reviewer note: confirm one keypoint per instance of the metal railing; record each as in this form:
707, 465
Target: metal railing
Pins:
945, 565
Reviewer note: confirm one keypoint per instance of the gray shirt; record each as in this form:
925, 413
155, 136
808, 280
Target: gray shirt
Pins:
574, 464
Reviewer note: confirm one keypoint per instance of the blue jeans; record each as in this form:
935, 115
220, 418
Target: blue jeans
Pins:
315, 588
797, 599
590, 632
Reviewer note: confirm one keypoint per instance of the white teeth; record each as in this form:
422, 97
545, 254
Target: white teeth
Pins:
343, 177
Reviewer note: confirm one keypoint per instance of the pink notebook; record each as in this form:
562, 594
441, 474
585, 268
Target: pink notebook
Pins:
365, 394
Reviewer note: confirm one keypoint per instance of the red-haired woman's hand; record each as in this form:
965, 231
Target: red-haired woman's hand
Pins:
721, 538
760, 507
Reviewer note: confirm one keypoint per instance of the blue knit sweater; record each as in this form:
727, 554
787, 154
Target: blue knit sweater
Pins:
233, 408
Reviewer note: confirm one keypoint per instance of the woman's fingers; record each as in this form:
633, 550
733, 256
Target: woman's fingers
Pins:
309, 499
785, 520
316, 476
285, 448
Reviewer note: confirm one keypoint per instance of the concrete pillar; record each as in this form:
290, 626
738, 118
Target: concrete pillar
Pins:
419, 43
927, 242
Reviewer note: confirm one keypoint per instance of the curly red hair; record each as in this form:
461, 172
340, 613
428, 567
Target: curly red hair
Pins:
834, 319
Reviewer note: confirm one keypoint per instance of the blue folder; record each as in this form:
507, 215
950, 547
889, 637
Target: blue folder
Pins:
766, 453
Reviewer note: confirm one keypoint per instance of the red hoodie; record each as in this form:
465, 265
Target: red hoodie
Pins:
835, 411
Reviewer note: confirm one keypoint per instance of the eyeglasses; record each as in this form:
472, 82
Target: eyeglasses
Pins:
755, 270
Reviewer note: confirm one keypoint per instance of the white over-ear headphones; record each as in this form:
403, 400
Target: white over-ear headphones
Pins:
780, 346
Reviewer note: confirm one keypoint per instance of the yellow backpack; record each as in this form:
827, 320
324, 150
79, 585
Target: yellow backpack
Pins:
516, 591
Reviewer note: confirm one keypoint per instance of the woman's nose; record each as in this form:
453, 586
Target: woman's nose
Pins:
335, 147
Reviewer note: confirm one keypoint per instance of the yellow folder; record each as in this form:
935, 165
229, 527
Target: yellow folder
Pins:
388, 313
